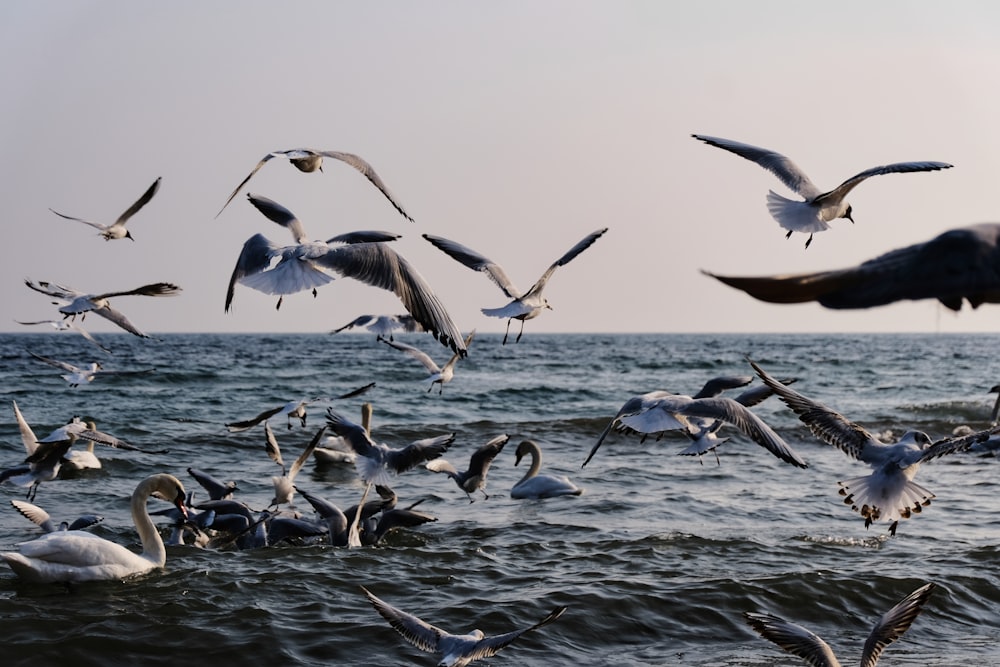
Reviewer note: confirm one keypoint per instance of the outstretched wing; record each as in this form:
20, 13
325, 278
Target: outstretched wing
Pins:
476, 262
419, 633
793, 638
841, 190
95, 225
787, 171
585, 243
69, 368
235, 427
419, 355
369, 172
488, 646
139, 203
894, 623
239, 187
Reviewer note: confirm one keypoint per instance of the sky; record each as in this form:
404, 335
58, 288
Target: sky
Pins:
514, 128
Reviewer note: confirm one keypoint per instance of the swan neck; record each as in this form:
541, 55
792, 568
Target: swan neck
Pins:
536, 461
152, 543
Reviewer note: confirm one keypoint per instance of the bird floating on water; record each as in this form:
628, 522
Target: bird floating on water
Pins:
817, 208
535, 485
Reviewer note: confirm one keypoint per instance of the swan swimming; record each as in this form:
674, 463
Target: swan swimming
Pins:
454, 650
818, 207
73, 555
117, 229
533, 485
801, 642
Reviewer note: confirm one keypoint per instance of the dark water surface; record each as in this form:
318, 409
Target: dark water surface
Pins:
657, 560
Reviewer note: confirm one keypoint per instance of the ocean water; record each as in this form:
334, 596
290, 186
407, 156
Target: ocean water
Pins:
656, 561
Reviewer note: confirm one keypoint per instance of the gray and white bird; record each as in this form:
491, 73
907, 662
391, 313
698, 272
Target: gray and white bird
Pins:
961, 264
308, 160
474, 477
378, 463
383, 325
68, 325
453, 650
43, 520
73, 302
889, 492
798, 641
437, 375
295, 408
364, 256
284, 484
817, 208
77, 376
524, 306
117, 230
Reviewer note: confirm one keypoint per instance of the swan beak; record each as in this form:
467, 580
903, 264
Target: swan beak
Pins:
179, 504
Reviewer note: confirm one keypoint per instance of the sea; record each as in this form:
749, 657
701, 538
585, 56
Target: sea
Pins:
656, 561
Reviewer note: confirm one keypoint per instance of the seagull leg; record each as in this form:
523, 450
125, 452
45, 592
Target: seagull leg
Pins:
280, 299
519, 333
809, 240
504, 342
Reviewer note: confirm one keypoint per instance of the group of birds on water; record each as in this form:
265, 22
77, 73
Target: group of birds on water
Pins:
949, 268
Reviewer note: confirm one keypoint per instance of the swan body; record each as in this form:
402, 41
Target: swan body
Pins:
73, 555
533, 485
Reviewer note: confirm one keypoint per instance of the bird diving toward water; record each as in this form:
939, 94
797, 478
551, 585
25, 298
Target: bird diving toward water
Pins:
889, 492
117, 229
526, 306
309, 160
72, 302
453, 650
801, 642
364, 257
817, 208
959, 264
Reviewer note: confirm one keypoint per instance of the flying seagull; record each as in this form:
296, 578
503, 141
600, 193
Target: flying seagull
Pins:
526, 306
73, 302
960, 264
77, 376
117, 229
364, 257
383, 325
474, 478
817, 208
296, 408
454, 650
68, 325
309, 160
439, 375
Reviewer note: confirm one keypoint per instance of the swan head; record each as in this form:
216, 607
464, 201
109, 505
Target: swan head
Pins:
169, 488
523, 449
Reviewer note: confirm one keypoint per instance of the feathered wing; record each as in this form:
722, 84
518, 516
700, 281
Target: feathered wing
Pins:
254, 258
244, 181
776, 163
27, 435
894, 623
139, 203
53, 289
419, 633
417, 354
118, 318
962, 263
958, 444
95, 225
34, 514
717, 385
235, 427
271, 446
406, 458
793, 638
483, 457
277, 213
476, 262
488, 646
582, 245
306, 453
153, 289
828, 425
369, 172
841, 190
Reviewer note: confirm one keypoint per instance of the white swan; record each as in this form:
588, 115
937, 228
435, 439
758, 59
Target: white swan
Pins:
72, 555
533, 485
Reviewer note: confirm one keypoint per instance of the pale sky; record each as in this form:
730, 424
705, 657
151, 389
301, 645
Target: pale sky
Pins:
515, 128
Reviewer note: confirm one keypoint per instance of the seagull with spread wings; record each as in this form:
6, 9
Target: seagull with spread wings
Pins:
77, 376
117, 229
439, 375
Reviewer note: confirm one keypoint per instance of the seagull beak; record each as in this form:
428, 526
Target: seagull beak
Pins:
128, 235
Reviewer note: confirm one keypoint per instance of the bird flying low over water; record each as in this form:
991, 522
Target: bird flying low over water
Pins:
959, 264
453, 650
817, 208
889, 492
383, 325
474, 478
526, 306
439, 375
117, 229
801, 642
68, 325
73, 302
309, 160
296, 408
77, 376
364, 257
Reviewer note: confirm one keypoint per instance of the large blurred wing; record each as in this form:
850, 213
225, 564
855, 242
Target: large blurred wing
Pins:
717, 385
306, 453
139, 203
271, 446
895, 168
422, 635
369, 172
776, 163
119, 318
894, 623
476, 262
793, 638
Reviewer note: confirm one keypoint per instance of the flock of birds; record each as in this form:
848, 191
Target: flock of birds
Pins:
958, 265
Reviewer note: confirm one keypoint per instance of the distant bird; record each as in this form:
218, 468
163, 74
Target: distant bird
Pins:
801, 642
117, 229
474, 478
309, 160
216, 488
817, 208
962, 263
296, 408
534, 485
376, 462
364, 257
454, 650
383, 325
76, 303
439, 375
69, 325
889, 492
81, 376
659, 411
73, 555
284, 484
41, 518
526, 306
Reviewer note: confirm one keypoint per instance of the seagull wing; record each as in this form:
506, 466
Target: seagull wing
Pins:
216, 489
356, 322
306, 453
405, 458
476, 262
364, 236
585, 243
235, 427
488, 646
153, 289
271, 445
419, 633
56, 363
355, 434
357, 392
828, 425
53, 289
244, 181
95, 225
277, 213
956, 445
379, 265
794, 639
787, 171
140, 202
894, 623
117, 317
369, 172
419, 355
34, 514
27, 435
255, 257
717, 385
483, 457
841, 190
